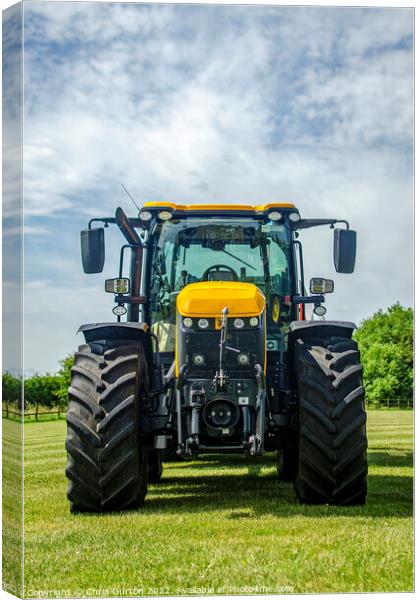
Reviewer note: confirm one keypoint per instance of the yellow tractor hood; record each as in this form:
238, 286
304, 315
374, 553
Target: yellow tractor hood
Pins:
209, 298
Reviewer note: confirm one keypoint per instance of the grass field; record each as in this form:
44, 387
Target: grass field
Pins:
12, 452
221, 525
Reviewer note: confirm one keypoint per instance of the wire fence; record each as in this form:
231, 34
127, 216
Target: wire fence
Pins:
395, 403
36, 413
42, 413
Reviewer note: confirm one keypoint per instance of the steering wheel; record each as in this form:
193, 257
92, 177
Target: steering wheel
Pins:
220, 269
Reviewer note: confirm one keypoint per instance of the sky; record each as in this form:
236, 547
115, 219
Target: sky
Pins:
224, 104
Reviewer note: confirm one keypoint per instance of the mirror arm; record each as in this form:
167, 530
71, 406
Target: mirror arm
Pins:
120, 272
346, 223
105, 220
299, 246
306, 223
112, 221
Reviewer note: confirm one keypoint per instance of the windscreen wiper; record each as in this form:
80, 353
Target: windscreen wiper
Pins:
240, 260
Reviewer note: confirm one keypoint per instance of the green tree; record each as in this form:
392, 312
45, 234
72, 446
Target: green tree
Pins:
11, 389
386, 346
64, 377
41, 390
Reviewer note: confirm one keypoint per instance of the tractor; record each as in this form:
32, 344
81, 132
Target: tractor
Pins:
212, 351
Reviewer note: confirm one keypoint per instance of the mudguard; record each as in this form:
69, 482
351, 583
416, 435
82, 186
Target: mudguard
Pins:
320, 329
136, 332
112, 331
314, 329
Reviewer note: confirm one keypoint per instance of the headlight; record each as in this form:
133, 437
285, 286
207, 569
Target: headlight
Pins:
203, 323
119, 285
238, 323
119, 310
198, 359
274, 215
294, 217
145, 215
253, 321
187, 322
320, 310
165, 215
243, 359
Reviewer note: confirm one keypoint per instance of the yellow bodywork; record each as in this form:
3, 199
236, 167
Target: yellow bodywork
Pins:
217, 207
209, 298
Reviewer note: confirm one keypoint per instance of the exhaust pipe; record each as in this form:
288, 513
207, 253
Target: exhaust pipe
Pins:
126, 228
133, 239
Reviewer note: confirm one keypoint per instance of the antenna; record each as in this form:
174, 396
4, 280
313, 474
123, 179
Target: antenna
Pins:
131, 197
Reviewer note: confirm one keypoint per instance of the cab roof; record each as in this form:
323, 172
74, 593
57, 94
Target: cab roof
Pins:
218, 207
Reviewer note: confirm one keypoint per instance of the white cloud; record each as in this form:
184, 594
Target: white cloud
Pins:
368, 101
227, 104
12, 95
380, 30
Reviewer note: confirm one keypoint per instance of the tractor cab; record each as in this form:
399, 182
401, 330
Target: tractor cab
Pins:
195, 249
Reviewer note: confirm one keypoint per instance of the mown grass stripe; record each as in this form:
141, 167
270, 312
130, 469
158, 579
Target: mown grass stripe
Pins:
225, 522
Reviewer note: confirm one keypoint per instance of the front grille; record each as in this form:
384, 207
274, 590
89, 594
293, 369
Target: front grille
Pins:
206, 343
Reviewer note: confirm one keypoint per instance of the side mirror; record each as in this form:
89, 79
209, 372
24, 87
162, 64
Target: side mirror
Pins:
319, 285
92, 243
344, 250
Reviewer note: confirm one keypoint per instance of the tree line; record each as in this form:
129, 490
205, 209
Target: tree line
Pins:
385, 341
49, 391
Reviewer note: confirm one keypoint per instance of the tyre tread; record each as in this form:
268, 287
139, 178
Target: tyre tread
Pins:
332, 465
107, 464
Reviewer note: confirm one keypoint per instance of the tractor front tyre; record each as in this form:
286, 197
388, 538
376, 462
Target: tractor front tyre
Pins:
106, 461
332, 465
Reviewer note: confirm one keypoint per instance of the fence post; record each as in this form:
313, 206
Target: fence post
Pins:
36, 412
